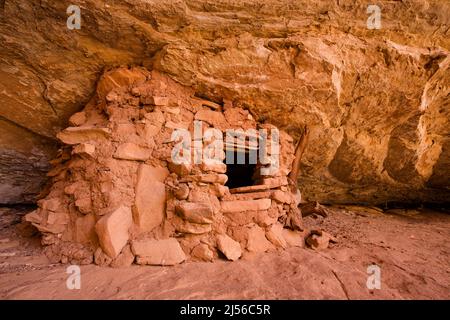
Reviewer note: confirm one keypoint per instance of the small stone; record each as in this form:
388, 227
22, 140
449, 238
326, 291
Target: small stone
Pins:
78, 119
155, 100
192, 228
220, 190
101, 259
84, 205
180, 169
275, 235
214, 166
319, 240
84, 149
112, 230
293, 238
257, 241
275, 182
195, 212
264, 219
112, 97
132, 151
165, 252
314, 208
214, 118
53, 204
124, 259
203, 252
282, 197
182, 192
230, 248
136, 91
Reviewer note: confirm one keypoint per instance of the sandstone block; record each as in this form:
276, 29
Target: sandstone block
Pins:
319, 240
195, 212
118, 78
214, 166
85, 229
293, 238
182, 192
77, 135
191, 228
150, 201
220, 190
275, 182
245, 205
132, 151
214, 118
230, 248
202, 252
275, 235
112, 230
282, 197
165, 252
156, 117
257, 241
84, 149
180, 169
155, 100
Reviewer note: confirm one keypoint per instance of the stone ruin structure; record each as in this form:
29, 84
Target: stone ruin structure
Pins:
117, 197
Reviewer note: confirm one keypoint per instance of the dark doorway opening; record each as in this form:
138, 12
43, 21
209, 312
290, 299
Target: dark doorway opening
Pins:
239, 174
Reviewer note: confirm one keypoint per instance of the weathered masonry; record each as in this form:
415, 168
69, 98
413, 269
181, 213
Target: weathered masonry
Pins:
116, 196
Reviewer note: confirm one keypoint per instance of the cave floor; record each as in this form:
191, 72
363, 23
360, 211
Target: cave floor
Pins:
411, 247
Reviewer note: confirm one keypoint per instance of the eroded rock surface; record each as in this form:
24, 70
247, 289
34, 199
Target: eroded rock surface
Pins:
376, 100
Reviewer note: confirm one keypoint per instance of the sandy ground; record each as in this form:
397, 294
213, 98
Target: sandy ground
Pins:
411, 247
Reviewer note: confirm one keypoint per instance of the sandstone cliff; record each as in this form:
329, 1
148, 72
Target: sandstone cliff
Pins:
377, 101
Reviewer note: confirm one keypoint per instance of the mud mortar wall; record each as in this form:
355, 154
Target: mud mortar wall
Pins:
118, 194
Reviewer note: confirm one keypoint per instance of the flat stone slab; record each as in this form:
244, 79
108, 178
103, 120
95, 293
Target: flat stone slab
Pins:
195, 212
150, 202
165, 252
229, 247
132, 151
245, 205
76, 135
113, 230
259, 187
